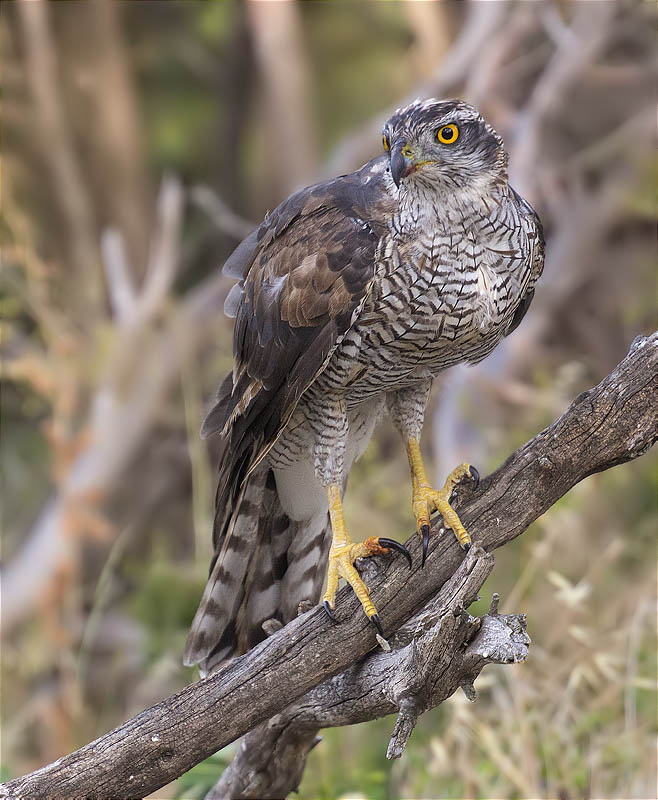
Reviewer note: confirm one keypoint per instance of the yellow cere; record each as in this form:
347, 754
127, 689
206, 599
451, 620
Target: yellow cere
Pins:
448, 134
385, 142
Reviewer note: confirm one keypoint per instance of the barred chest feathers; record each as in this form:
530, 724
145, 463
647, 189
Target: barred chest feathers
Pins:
442, 296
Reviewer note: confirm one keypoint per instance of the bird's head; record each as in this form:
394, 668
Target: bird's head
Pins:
443, 145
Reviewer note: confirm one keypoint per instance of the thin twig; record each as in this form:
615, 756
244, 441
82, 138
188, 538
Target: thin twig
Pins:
118, 276
220, 213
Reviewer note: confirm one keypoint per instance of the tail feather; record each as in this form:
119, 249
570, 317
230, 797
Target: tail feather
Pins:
307, 564
265, 565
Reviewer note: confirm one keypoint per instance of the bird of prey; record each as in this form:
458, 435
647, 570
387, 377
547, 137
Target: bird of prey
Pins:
353, 295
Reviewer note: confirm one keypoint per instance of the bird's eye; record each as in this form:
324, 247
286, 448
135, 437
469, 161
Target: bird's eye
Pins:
448, 134
385, 143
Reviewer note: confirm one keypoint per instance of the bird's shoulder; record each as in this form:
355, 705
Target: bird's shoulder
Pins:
320, 238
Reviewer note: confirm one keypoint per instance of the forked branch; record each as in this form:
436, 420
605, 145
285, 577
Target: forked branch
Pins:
610, 424
437, 651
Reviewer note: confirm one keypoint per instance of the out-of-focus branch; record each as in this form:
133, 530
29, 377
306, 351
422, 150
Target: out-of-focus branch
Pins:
608, 425
117, 276
490, 69
576, 51
431, 25
224, 218
483, 22
163, 255
58, 155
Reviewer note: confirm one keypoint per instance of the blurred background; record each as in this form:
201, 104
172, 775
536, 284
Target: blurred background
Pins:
142, 141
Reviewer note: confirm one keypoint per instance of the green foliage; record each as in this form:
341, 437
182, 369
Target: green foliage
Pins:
200, 779
349, 763
164, 601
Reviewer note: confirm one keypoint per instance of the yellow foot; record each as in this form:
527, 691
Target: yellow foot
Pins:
344, 553
426, 501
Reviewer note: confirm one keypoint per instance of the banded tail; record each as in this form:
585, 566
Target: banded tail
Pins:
265, 564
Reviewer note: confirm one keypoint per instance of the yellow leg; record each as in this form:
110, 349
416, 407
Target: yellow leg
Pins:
343, 554
426, 500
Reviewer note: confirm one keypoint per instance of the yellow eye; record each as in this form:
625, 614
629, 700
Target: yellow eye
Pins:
448, 134
385, 142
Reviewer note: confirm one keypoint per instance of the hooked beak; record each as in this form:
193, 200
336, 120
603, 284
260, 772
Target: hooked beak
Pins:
402, 161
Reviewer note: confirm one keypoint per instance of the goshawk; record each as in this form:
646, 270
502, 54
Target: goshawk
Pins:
353, 294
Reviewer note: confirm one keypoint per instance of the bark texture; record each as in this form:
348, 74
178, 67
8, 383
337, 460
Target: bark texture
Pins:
436, 652
610, 424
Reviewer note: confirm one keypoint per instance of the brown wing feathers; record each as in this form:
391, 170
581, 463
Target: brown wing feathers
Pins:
304, 272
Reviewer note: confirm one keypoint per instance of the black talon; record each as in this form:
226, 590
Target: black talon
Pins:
329, 612
393, 545
375, 621
475, 476
425, 531
467, 547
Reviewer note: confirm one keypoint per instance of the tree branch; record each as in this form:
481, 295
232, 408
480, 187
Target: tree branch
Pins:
608, 425
438, 651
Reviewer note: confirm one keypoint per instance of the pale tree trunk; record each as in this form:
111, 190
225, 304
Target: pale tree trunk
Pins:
433, 30
117, 134
84, 280
276, 34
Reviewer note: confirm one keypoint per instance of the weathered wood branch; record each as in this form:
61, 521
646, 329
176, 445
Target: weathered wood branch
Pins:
436, 652
608, 425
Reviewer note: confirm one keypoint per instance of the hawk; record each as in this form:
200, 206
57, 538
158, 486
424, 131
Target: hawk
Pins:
353, 295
